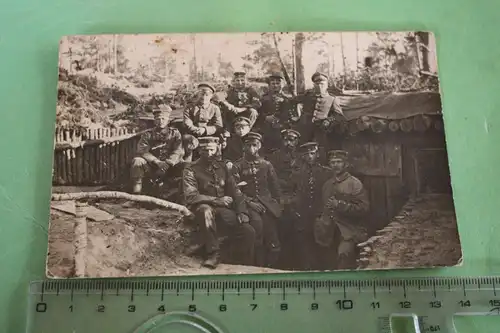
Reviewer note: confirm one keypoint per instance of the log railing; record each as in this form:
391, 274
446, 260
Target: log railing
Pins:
92, 157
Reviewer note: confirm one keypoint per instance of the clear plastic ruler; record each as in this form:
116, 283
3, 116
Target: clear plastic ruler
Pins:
172, 305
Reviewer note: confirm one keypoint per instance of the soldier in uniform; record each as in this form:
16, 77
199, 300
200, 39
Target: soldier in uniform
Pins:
210, 192
320, 112
285, 161
307, 205
263, 197
234, 148
203, 118
345, 208
276, 113
157, 152
241, 100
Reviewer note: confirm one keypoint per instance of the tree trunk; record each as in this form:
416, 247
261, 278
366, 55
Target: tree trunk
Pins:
121, 195
299, 45
424, 39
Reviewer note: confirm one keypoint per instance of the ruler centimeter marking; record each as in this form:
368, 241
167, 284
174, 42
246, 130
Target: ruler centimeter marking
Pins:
431, 302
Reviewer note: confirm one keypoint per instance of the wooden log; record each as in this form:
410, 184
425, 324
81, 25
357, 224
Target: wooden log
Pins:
363, 123
378, 125
406, 125
422, 123
64, 173
99, 164
74, 166
122, 195
81, 238
394, 126
92, 164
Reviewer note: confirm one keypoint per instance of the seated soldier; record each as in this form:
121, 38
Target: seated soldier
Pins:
203, 118
210, 192
263, 197
157, 152
345, 208
241, 100
234, 148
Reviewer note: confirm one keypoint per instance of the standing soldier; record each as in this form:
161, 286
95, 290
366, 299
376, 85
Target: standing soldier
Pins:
263, 197
321, 111
276, 113
210, 192
234, 148
307, 205
285, 161
242, 100
157, 152
345, 209
203, 118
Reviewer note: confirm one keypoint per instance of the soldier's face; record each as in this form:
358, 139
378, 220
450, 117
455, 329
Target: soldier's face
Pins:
205, 95
275, 85
241, 130
321, 86
161, 121
336, 164
310, 157
239, 82
208, 152
252, 147
290, 142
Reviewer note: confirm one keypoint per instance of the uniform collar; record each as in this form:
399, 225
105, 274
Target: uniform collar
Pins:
343, 176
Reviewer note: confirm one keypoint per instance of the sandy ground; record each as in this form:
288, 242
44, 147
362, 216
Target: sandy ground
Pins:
137, 242
424, 234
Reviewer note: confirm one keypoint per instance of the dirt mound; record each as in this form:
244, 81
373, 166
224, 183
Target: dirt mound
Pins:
424, 234
83, 98
138, 241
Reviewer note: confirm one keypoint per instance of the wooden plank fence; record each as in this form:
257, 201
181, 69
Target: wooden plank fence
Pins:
93, 156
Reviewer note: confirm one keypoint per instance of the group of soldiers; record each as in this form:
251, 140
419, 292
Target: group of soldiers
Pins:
261, 173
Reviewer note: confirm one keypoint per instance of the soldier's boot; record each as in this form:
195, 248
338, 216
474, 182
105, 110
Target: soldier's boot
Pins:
273, 256
212, 261
259, 256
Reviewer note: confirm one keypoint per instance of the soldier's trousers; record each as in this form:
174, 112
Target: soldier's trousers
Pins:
140, 169
267, 243
215, 221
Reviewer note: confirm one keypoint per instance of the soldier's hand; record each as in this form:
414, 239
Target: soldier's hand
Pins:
226, 201
326, 124
332, 202
163, 166
259, 208
271, 119
243, 218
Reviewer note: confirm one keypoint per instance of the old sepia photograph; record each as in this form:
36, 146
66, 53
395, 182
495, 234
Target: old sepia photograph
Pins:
249, 153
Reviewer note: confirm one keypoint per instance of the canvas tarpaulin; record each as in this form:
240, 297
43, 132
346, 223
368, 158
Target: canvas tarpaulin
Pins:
391, 105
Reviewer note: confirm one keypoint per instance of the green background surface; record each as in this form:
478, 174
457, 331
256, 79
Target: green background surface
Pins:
468, 40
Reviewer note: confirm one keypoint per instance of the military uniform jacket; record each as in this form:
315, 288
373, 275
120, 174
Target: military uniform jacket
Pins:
318, 107
202, 183
164, 144
209, 117
353, 205
278, 105
285, 162
245, 98
262, 182
234, 148
307, 183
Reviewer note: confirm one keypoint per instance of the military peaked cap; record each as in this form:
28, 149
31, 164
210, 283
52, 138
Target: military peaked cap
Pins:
208, 141
276, 75
163, 109
207, 85
251, 136
240, 73
290, 132
338, 154
319, 76
308, 147
241, 120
